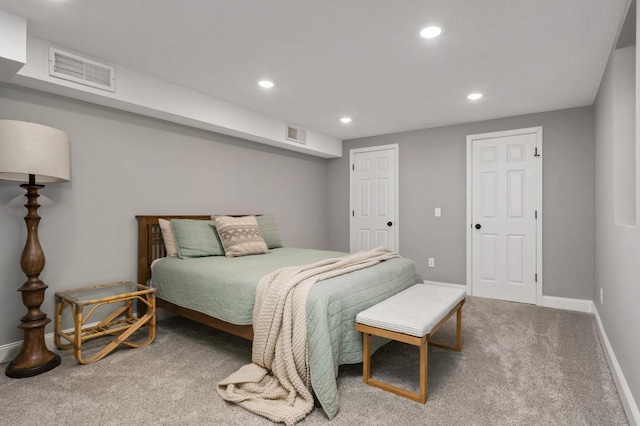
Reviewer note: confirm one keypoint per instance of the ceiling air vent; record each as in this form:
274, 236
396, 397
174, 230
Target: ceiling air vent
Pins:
296, 134
81, 70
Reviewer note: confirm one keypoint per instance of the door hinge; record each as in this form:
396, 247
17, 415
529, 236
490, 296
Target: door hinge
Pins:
536, 277
353, 213
353, 167
536, 214
535, 153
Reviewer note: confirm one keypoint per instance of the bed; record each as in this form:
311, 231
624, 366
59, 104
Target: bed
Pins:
184, 287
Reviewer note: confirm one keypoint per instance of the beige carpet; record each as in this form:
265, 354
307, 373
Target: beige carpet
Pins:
520, 365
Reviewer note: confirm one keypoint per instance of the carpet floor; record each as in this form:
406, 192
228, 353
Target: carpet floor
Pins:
520, 365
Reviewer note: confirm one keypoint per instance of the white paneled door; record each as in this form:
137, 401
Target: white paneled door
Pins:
504, 216
373, 198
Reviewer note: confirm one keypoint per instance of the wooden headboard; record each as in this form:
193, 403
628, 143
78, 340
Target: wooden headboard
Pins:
150, 243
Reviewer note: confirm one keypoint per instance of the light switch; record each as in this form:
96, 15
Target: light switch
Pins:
438, 212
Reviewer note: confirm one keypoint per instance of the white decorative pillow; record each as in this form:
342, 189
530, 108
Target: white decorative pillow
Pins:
168, 237
240, 236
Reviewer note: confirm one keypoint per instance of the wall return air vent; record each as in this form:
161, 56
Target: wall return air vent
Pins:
72, 67
296, 134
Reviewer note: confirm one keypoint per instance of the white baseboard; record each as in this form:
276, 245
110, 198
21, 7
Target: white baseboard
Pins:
580, 305
10, 350
461, 286
628, 402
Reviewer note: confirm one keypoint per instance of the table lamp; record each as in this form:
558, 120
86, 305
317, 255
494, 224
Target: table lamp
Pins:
34, 153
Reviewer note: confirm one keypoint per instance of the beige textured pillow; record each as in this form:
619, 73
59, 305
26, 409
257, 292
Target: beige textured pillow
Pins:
168, 237
240, 236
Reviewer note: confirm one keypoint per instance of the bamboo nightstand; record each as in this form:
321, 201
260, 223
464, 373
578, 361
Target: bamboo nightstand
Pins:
121, 322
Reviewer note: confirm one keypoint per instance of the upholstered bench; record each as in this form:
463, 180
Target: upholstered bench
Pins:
411, 316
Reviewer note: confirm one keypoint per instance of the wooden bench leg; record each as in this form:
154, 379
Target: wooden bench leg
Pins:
459, 329
458, 345
421, 342
424, 354
366, 357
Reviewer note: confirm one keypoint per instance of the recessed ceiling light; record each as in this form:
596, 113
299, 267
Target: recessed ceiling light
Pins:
265, 83
430, 32
346, 120
474, 96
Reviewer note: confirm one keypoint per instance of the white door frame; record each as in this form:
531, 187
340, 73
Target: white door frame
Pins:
396, 188
470, 138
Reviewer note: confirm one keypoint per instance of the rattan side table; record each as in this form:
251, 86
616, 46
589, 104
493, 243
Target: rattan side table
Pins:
120, 323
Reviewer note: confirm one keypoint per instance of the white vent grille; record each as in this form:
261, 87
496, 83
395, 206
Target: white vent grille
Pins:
296, 134
81, 70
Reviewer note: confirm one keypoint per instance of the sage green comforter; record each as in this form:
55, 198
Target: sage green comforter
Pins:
224, 288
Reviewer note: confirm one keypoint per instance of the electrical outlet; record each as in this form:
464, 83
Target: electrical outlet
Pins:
432, 262
601, 295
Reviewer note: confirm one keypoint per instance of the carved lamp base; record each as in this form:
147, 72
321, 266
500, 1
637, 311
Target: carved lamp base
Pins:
34, 357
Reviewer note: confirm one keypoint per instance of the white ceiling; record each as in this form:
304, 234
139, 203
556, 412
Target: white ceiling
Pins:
361, 58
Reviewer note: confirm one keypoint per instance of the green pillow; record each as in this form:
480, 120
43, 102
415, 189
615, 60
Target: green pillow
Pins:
269, 230
196, 238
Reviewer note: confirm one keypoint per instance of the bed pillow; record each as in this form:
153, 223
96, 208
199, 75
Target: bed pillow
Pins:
196, 238
168, 237
269, 230
240, 236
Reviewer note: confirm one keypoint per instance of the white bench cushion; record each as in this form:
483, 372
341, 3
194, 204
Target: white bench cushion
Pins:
414, 311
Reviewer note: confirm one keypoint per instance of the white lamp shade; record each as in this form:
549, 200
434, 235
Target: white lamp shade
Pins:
33, 149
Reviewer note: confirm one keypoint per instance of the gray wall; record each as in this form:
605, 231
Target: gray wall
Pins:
124, 165
617, 250
433, 174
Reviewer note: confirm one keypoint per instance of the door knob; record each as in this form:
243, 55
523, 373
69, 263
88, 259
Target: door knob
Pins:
389, 223
478, 226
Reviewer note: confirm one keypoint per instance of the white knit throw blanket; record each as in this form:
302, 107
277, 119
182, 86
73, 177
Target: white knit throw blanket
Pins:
277, 385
